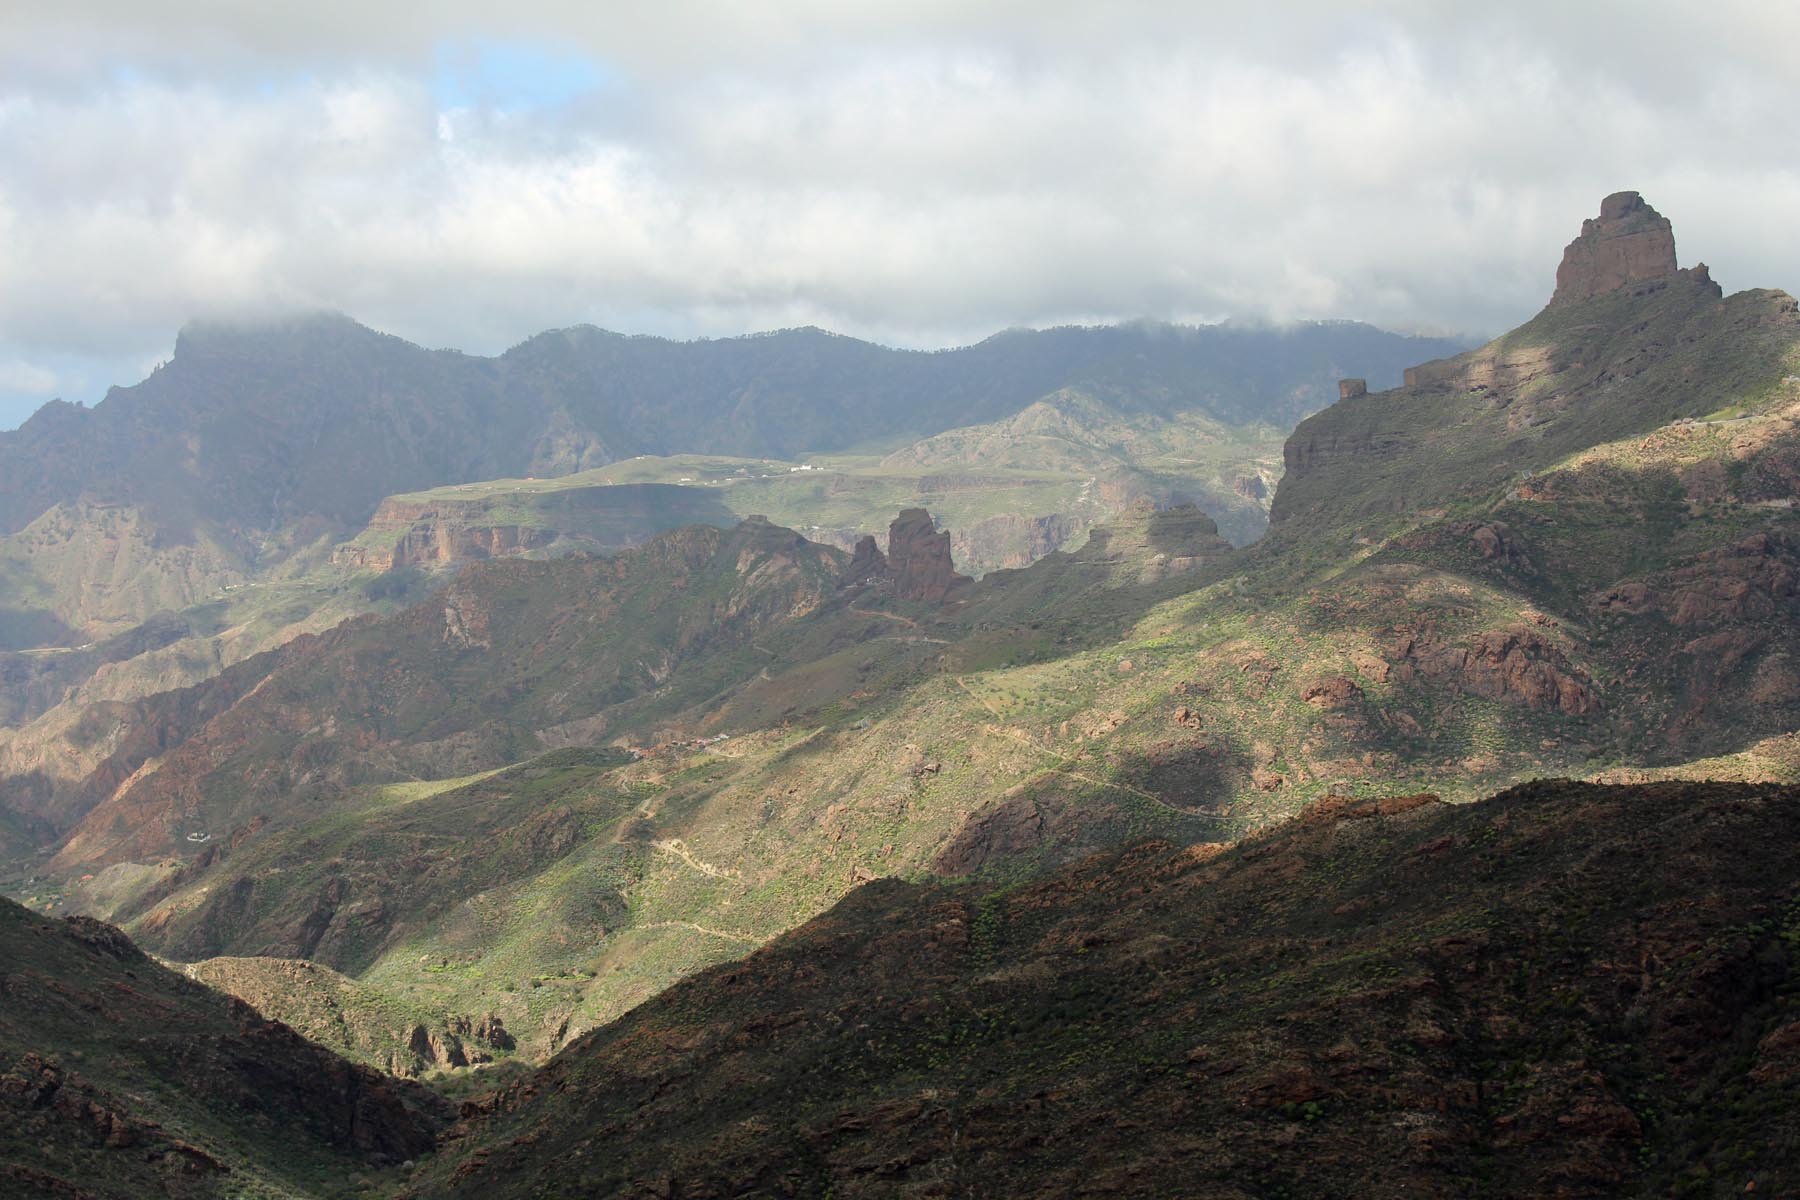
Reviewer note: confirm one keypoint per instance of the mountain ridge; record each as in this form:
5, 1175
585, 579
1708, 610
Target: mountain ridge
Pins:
759, 405
1561, 990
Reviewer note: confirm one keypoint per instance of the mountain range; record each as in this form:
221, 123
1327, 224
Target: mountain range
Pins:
728, 861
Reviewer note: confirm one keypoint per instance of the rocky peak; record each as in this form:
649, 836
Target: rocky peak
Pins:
866, 561
919, 557
1628, 242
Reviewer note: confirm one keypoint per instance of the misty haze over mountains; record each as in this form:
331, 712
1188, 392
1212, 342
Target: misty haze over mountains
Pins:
1136, 753
298, 402
912, 176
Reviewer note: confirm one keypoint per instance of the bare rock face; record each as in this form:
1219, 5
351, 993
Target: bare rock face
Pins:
919, 556
1332, 692
1517, 665
1630, 241
1250, 487
1753, 580
867, 562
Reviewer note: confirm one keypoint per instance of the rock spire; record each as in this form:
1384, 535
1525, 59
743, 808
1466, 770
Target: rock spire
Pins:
1628, 242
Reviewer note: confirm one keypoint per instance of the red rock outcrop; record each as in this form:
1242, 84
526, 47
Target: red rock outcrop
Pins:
1628, 242
1496, 542
867, 562
1517, 665
1332, 692
434, 545
919, 556
1751, 580
430, 536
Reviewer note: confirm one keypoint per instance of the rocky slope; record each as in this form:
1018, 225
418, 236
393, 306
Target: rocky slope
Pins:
1565, 990
119, 1077
355, 1020
1423, 621
1619, 354
477, 677
1228, 470
100, 569
558, 892
211, 495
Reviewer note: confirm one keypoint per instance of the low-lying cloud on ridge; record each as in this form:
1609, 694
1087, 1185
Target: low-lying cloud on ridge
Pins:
919, 174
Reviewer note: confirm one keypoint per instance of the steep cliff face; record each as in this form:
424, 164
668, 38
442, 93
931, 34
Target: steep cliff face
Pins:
1013, 541
1145, 544
919, 559
1629, 242
520, 518
917, 564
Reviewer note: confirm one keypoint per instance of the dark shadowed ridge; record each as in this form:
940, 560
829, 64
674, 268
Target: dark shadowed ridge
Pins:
1564, 990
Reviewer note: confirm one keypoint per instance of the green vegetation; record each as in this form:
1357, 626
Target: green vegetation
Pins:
1376, 998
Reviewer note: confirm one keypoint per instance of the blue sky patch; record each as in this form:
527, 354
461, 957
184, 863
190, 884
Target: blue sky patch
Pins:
511, 76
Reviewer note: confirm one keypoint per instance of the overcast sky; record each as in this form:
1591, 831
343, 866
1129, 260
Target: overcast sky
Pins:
921, 173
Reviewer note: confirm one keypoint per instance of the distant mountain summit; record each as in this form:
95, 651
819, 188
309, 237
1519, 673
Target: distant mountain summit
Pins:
1627, 343
257, 428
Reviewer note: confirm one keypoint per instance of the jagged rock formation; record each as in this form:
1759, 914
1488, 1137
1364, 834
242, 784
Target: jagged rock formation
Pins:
919, 559
867, 562
1630, 360
1628, 242
918, 563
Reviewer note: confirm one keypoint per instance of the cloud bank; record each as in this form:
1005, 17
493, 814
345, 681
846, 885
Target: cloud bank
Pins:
919, 174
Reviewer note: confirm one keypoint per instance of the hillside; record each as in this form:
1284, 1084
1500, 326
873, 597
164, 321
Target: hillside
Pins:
1564, 990
600, 775
503, 661
273, 481
119, 1077
355, 1020
1009, 492
560, 891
